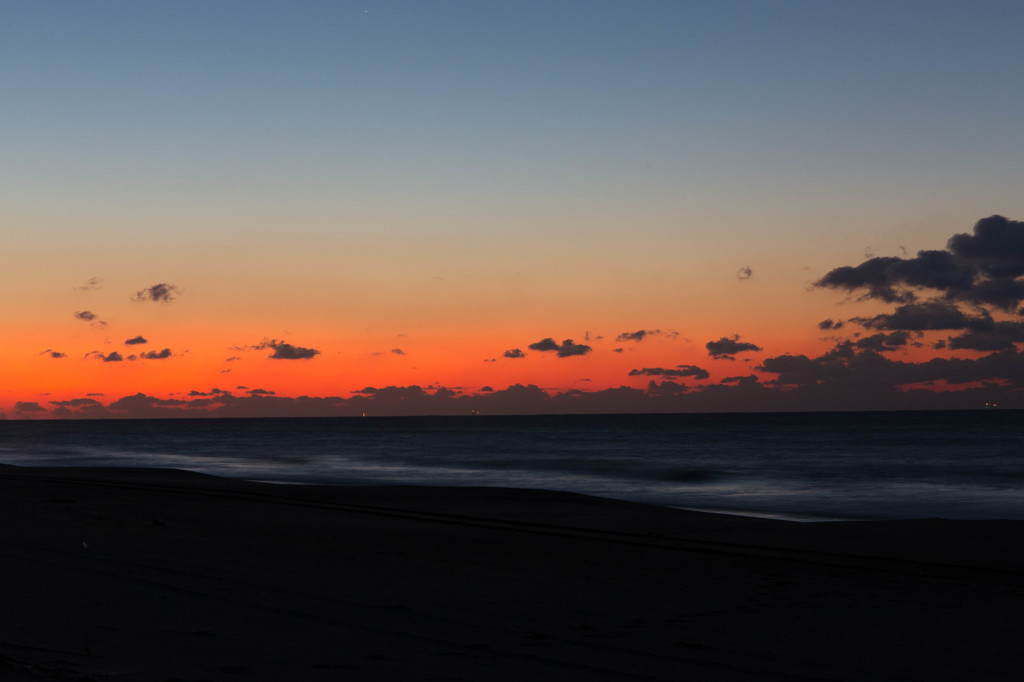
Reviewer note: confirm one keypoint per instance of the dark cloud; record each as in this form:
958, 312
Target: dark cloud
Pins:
155, 355
747, 379
679, 371
883, 342
744, 273
852, 376
996, 248
284, 351
75, 402
565, 350
514, 353
114, 356
57, 354
618, 350
135, 341
725, 348
996, 336
141, 405
825, 325
161, 292
638, 335
665, 388
91, 283
933, 314
486, 389
979, 268
85, 315
260, 391
398, 351
21, 407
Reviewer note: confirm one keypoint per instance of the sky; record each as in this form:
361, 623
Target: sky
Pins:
337, 208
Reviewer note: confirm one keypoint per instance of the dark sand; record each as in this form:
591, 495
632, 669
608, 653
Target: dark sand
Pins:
162, 575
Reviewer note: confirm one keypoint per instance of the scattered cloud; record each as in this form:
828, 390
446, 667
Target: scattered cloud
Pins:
284, 351
114, 356
825, 325
25, 408
744, 273
678, 372
75, 402
155, 355
90, 317
883, 342
260, 391
724, 348
134, 341
980, 268
398, 351
514, 353
91, 283
638, 335
565, 350
161, 292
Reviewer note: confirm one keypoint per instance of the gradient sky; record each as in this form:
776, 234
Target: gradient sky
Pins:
454, 180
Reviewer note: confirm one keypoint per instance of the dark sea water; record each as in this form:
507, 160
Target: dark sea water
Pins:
962, 465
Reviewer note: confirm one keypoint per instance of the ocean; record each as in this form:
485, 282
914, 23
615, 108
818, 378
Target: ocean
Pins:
802, 466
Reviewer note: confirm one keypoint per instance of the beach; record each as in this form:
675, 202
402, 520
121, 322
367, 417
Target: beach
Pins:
146, 574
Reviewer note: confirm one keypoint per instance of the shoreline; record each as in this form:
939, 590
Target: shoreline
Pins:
161, 574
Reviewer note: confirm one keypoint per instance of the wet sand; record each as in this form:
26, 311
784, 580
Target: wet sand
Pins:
119, 574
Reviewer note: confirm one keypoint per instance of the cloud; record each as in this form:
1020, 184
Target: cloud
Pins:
284, 351
141, 405
883, 342
996, 336
135, 341
57, 354
514, 353
638, 335
725, 348
980, 268
90, 317
398, 351
935, 314
260, 391
980, 331
162, 292
830, 324
21, 407
75, 402
744, 273
91, 283
565, 350
154, 355
114, 356
680, 371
